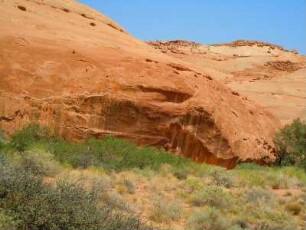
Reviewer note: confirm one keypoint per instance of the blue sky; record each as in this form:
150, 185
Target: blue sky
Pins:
282, 22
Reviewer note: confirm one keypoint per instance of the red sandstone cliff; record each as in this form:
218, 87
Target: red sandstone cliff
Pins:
266, 73
72, 69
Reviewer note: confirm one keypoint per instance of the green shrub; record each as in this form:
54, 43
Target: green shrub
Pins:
212, 196
112, 154
265, 217
222, 178
181, 174
29, 135
109, 153
252, 178
164, 211
282, 181
2, 141
38, 162
193, 184
6, 222
207, 219
31, 204
291, 144
114, 200
259, 195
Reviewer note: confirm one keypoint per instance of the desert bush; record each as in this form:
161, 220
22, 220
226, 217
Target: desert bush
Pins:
193, 184
265, 217
212, 196
164, 211
283, 181
222, 178
114, 200
294, 173
38, 162
2, 141
291, 144
31, 204
251, 178
130, 186
294, 208
181, 175
207, 219
259, 195
6, 222
83, 160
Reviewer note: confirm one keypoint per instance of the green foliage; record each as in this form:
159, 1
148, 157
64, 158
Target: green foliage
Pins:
222, 178
29, 135
291, 144
265, 217
208, 219
3, 143
252, 178
259, 195
28, 202
164, 211
192, 184
212, 196
6, 222
31, 204
110, 153
38, 162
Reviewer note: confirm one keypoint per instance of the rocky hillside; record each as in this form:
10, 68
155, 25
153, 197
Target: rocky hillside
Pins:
264, 72
78, 72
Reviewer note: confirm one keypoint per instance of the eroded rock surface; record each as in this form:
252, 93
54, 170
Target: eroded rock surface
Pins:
72, 69
267, 73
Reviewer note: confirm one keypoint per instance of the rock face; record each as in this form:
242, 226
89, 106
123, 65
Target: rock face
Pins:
267, 73
72, 69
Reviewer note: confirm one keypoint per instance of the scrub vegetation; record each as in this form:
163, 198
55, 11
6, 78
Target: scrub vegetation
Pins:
47, 182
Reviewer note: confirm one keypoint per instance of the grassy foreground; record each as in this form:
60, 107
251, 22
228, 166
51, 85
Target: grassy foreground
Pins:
49, 183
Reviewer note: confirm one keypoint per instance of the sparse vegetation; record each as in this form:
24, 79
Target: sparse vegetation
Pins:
28, 203
77, 185
211, 196
209, 219
165, 211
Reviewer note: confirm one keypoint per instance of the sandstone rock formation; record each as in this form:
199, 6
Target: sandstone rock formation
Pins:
72, 69
267, 73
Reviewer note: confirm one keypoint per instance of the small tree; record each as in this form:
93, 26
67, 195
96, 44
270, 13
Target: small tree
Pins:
291, 144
